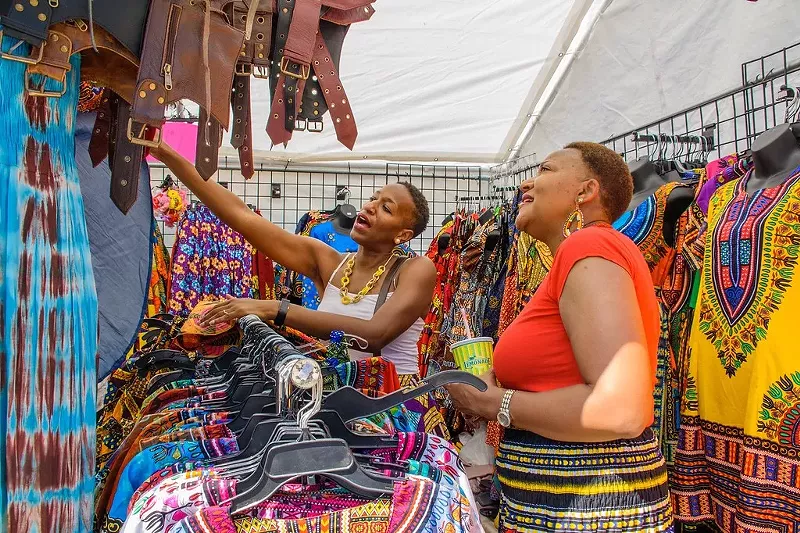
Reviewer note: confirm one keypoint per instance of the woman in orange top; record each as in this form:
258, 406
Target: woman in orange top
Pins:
577, 366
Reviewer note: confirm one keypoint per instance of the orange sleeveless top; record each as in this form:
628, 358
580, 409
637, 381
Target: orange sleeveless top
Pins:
534, 354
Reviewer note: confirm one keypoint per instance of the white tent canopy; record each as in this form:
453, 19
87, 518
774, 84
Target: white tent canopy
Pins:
476, 81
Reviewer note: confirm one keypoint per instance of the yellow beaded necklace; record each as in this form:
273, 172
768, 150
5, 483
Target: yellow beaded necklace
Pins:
348, 270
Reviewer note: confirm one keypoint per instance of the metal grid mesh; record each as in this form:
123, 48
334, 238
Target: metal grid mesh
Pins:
730, 122
307, 188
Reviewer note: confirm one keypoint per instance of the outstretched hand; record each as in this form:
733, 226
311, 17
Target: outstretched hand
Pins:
232, 309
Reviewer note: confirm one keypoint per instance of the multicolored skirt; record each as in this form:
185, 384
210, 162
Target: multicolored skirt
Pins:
547, 485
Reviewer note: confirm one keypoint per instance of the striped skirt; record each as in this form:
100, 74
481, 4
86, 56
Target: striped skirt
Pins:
547, 485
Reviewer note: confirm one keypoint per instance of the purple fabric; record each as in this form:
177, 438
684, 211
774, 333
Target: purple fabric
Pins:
209, 260
718, 173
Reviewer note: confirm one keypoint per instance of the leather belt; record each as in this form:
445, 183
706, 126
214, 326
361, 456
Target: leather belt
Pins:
125, 158
338, 103
98, 144
242, 134
209, 139
254, 59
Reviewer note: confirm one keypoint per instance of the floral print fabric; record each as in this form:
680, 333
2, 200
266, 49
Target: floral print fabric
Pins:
209, 260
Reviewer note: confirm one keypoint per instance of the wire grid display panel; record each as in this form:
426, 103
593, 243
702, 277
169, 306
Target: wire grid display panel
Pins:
316, 188
731, 121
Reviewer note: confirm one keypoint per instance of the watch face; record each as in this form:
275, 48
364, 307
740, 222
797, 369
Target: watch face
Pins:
305, 373
504, 419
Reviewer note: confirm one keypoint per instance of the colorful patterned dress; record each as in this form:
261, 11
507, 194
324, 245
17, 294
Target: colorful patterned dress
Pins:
738, 456
209, 260
48, 313
159, 275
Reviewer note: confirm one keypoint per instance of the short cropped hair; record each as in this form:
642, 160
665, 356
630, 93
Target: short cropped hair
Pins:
421, 212
608, 167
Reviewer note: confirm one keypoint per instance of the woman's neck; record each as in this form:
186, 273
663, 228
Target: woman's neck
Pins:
555, 241
371, 259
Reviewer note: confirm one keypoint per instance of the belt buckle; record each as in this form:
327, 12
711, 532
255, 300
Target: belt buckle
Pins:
260, 72
139, 139
315, 126
305, 70
244, 69
300, 124
32, 91
20, 59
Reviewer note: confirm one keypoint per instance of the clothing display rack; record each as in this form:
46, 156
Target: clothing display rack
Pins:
698, 256
211, 443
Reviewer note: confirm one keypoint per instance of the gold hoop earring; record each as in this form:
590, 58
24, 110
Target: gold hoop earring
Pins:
577, 217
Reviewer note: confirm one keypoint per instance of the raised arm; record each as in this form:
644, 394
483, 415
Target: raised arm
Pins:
605, 329
302, 254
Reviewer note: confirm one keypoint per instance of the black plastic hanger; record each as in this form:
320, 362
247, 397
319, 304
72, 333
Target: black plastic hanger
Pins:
253, 405
330, 458
351, 404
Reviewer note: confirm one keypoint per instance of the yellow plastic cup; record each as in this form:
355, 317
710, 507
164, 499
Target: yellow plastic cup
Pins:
474, 355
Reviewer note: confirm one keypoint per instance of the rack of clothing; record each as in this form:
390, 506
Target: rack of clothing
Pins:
484, 266
720, 238
278, 432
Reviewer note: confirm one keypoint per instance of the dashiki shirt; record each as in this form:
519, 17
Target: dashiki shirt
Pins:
417, 505
737, 460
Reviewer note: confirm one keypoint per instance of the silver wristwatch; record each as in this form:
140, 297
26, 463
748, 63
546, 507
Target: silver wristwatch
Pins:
504, 415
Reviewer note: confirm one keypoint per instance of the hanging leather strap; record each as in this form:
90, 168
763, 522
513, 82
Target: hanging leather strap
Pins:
209, 139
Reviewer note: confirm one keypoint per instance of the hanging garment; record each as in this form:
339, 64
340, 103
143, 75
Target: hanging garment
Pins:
48, 308
736, 462
644, 225
159, 275
121, 251
209, 260
417, 504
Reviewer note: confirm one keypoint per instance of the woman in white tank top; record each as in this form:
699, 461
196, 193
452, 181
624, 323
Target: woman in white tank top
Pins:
351, 284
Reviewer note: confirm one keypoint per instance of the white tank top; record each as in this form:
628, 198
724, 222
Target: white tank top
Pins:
402, 351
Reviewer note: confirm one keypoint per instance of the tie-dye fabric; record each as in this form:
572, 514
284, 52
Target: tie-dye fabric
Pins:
48, 313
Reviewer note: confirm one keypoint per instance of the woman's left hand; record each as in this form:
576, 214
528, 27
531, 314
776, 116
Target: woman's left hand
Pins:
471, 401
232, 309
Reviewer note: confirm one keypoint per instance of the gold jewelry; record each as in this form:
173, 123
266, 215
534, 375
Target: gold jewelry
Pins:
348, 271
577, 217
